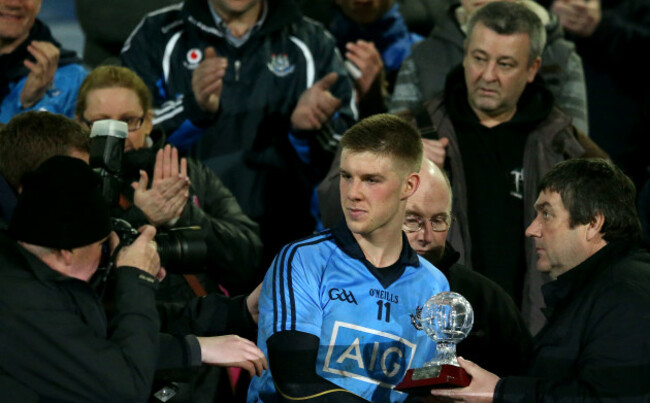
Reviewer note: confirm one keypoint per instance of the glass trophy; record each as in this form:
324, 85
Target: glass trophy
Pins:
446, 318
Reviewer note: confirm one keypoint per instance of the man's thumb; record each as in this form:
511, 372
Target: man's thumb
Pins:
326, 82
141, 185
467, 365
444, 141
210, 53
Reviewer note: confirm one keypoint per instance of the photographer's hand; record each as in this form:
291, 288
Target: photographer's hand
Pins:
233, 351
166, 199
142, 253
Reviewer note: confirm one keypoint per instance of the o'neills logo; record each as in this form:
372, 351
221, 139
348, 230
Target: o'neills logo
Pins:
194, 56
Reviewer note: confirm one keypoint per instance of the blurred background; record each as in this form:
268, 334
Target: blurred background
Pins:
62, 19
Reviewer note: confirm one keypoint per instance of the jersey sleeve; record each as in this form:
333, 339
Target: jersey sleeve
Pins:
290, 299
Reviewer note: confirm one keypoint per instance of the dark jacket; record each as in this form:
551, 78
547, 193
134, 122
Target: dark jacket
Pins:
56, 342
553, 140
619, 87
247, 142
596, 345
233, 243
499, 340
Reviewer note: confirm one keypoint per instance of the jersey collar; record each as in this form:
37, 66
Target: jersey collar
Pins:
348, 244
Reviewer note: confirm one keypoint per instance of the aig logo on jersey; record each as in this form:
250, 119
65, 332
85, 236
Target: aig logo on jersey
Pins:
280, 65
193, 58
368, 355
342, 295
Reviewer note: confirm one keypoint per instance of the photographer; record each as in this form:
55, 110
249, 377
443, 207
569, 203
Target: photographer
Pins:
33, 137
55, 339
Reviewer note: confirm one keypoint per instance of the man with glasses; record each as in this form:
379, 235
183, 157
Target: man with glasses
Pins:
499, 339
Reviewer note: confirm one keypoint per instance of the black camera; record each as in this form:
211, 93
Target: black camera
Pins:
180, 249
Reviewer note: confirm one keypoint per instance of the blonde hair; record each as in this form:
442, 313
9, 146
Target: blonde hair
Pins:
113, 77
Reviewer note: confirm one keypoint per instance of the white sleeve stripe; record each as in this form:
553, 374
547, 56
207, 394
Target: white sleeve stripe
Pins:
169, 48
167, 106
353, 104
309, 59
161, 118
127, 43
176, 6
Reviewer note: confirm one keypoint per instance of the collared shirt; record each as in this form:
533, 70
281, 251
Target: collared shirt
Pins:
233, 40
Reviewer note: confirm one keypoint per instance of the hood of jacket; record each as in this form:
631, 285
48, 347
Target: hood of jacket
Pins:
534, 104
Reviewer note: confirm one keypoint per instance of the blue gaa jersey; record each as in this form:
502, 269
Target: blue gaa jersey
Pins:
323, 285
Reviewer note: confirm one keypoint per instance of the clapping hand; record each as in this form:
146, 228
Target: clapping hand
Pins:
365, 56
316, 105
41, 72
207, 80
165, 200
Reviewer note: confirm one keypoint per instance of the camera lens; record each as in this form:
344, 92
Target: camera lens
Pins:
182, 250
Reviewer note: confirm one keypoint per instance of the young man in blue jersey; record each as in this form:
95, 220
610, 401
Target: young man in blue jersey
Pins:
335, 307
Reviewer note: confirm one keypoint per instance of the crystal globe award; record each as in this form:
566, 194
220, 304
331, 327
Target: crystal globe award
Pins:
446, 318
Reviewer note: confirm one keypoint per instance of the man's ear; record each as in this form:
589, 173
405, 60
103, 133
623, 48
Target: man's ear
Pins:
533, 68
595, 227
64, 257
411, 185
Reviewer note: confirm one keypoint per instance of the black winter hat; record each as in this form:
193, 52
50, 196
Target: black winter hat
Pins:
61, 206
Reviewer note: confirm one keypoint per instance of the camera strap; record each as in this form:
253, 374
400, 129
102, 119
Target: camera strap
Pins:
195, 285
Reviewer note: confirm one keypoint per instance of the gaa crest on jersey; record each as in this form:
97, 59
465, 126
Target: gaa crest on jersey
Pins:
342, 295
193, 58
280, 65
368, 355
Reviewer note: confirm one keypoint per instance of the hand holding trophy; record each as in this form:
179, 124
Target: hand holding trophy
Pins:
446, 318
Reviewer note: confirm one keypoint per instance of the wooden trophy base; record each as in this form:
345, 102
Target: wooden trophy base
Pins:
420, 381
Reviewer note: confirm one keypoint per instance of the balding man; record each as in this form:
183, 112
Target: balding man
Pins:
499, 339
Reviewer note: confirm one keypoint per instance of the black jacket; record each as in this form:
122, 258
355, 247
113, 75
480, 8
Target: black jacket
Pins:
233, 243
56, 342
247, 141
596, 345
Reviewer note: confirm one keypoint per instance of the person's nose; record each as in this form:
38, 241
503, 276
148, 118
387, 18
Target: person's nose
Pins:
534, 229
489, 72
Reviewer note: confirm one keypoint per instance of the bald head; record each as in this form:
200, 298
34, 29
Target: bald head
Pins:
434, 183
431, 202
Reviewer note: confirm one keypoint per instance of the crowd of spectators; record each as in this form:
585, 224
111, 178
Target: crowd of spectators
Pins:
234, 114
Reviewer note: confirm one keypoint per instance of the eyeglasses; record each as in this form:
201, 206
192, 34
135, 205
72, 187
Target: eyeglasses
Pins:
439, 223
132, 123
